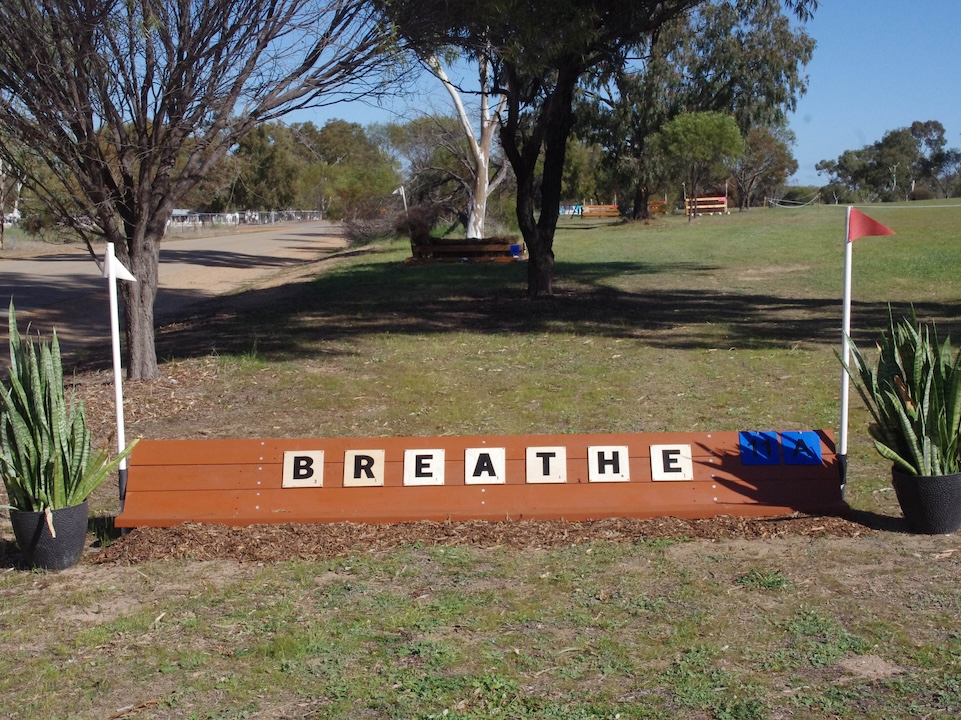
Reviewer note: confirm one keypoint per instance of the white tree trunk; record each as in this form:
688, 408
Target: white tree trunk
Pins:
477, 212
480, 148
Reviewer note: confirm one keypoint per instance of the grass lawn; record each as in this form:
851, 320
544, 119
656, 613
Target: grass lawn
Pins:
729, 323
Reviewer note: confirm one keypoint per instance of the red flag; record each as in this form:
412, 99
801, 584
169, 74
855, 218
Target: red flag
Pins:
860, 225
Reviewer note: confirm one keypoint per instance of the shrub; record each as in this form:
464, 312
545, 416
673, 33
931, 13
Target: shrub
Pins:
913, 393
46, 459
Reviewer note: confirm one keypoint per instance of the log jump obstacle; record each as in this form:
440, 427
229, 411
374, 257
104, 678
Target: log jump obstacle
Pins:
570, 477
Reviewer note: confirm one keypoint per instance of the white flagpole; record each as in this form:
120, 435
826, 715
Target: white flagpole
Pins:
110, 270
845, 354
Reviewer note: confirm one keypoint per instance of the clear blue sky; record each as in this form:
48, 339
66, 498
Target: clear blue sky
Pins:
879, 65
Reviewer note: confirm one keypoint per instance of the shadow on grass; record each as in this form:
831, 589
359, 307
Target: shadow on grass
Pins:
398, 298
882, 523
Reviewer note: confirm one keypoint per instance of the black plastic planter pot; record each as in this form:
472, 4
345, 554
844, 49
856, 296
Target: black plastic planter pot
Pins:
39, 548
931, 505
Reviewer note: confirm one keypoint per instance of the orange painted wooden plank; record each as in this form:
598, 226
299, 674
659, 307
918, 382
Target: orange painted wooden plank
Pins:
217, 452
269, 475
396, 504
240, 482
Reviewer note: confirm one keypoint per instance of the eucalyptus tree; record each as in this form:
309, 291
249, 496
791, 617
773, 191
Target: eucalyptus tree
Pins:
698, 147
449, 167
766, 164
269, 165
128, 105
346, 165
437, 164
538, 52
937, 165
743, 59
482, 174
893, 167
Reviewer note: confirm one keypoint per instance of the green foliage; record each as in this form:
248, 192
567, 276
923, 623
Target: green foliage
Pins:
755, 579
347, 168
46, 459
745, 60
269, 165
914, 395
766, 165
697, 146
906, 163
336, 169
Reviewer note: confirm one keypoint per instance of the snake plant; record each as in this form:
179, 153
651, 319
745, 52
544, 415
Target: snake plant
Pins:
46, 459
913, 393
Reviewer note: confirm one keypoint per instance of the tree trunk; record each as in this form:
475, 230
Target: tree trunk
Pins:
478, 202
540, 252
558, 119
548, 130
138, 302
540, 265
642, 199
540, 256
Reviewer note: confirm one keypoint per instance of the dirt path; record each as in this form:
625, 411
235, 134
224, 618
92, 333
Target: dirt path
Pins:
66, 289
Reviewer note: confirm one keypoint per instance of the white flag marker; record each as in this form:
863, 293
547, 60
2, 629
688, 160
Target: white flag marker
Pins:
114, 270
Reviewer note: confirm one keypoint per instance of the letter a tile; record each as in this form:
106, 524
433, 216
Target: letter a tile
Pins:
801, 448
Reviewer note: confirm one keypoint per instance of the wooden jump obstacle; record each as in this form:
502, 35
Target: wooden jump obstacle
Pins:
706, 205
600, 211
493, 250
654, 207
572, 477
657, 207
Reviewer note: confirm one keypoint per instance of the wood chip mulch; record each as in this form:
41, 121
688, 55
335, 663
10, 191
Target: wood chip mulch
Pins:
274, 543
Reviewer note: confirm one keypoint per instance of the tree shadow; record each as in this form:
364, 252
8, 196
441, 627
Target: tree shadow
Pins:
225, 259
377, 298
74, 300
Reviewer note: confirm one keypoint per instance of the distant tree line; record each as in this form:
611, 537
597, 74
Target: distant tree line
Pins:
909, 163
330, 169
